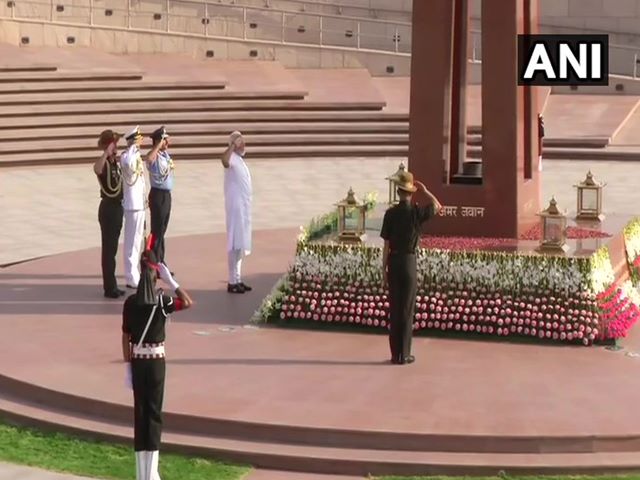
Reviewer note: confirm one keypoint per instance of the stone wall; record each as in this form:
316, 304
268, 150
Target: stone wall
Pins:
116, 41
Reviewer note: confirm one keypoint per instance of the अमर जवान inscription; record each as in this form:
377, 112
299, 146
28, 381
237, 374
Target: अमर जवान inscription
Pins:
455, 211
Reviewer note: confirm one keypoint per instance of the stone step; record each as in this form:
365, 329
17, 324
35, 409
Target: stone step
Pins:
160, 108
338, 127
134, 96
475, 139
27, 68
180, 130
104, 120
69, 76
277, 150
184, 143
591, 154
329, 460
212, 153
60, 86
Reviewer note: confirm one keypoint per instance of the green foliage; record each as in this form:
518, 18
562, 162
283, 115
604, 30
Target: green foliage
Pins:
632, 246
272, 303
63, 453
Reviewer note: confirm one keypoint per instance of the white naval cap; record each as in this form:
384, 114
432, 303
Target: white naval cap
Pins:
134, 133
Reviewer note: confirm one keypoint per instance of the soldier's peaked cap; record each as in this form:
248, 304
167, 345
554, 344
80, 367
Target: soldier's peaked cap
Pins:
134, 133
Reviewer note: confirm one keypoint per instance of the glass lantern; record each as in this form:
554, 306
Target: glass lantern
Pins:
393, 188
554, 229
589, 199
351, 218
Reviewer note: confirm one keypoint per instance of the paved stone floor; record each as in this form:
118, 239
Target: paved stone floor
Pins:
54, 209
16, 472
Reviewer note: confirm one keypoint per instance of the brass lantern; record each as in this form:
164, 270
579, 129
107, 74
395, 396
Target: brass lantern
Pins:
351, 218
589, 199
554, 229
393, 187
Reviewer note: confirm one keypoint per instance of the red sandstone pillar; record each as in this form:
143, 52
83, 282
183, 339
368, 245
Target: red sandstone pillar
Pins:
508, 196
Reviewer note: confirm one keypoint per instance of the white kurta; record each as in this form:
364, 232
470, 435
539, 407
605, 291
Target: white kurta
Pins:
237, 198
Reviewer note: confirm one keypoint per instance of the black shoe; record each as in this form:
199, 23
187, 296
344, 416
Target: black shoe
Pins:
114, 294
409, 359
120, 292
247, 288
236, 288
132, 287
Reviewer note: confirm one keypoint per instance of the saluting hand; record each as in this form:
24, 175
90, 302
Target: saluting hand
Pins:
111, 148
166, 277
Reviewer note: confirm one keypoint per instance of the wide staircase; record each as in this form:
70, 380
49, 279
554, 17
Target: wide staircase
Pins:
50, 116
52, 111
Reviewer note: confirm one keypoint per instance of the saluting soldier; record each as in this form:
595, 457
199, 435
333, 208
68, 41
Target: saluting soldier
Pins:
110, 212
134, 206
401, 228
161, 168
144, 316
540, 140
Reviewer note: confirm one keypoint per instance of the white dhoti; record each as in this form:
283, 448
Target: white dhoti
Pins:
237, 197
133, 238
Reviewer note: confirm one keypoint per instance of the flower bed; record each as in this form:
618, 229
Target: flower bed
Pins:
483, 243
551, 298
573, 233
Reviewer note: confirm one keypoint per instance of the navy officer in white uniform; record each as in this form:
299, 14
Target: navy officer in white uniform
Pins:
134, 206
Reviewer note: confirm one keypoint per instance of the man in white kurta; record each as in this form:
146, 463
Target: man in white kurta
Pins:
237, 198
133, 203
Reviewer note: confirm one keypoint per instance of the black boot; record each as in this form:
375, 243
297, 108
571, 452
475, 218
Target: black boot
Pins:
235, 288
